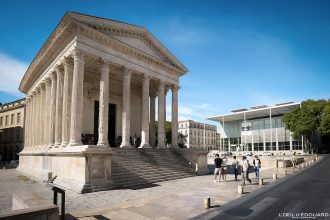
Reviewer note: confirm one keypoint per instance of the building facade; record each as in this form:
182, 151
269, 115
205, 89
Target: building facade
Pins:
11, 130
258, 129
198, 135
93, 85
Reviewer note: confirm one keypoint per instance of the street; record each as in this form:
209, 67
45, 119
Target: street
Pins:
305, 195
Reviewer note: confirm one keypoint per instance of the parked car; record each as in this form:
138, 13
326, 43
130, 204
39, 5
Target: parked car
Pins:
247, 153
266, 153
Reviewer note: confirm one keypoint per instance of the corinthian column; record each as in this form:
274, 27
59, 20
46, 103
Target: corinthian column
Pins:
47, 113
32, 121
38, 118
175, 116
126, 113
161, 115
145, 112
42, 113
66, 101
59, 105
152, 119
52, 110
77, 97
26, 124
104, 103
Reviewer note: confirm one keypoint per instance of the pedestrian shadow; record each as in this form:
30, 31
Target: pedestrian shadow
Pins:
215, 206
98, 217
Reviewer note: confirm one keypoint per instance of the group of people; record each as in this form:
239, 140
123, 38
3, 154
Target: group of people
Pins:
244, 167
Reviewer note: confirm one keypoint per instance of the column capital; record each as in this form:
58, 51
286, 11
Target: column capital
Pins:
43, 85
38, 90
67, 62
105, 62
48, 80
78, 54
59, 69
127, 71
147, 76
153, 95
175, 88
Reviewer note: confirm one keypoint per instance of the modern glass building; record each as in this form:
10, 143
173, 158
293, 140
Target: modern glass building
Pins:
259, 128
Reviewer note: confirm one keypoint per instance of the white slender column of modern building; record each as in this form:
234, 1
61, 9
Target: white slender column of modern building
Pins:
59, 105
145, 112
152, 119
175, 123
104, 103
77, 98
66, 101
126, 113
161, 122
47, 113
42, 114
52, 110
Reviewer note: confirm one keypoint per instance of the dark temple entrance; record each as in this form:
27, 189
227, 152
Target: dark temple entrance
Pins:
111, 123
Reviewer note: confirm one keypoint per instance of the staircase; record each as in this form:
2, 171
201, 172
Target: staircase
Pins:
135, 167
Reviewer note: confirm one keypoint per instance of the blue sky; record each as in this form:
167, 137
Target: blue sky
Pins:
239, 53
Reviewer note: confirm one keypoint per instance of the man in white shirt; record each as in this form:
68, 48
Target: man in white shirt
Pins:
245, 170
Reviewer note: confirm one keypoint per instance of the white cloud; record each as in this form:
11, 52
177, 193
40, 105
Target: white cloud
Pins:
11, 73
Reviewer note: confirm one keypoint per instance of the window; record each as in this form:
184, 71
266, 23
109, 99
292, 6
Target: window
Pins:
1, 121
12, 119
6, 121
18, 117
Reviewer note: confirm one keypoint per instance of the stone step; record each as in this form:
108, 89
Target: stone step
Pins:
151, 173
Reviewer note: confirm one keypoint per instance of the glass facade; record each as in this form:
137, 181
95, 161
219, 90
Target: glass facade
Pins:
260, 134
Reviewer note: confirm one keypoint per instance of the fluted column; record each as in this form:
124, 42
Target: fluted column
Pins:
104, 103
26, 125
126, 113
145, 112
47, 113
59, 105
67, 86
152, 119
161, 116
32, 121
52, 110
175, 126
77, 97
42, 114
38, 118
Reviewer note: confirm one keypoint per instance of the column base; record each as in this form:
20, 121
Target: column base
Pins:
64, 144
144, 145
75, 143
103, 144
161, 146
126, 145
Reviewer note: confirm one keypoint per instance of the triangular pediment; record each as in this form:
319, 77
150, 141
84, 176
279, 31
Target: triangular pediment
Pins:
132, 35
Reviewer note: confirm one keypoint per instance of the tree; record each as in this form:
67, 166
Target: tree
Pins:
307, 120
324, 128
168, 131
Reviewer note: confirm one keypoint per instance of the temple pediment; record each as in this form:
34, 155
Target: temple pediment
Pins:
135, 36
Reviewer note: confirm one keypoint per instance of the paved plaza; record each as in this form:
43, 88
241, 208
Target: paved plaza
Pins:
177, 199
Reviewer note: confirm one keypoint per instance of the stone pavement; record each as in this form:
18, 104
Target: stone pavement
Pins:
176, 199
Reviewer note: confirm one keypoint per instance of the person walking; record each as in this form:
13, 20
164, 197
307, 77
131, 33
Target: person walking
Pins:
235, 166
224, 168
245, 170
217, 170
257, 166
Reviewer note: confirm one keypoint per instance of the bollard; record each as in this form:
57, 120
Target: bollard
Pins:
261, 181
285, 172
274, 176
306, 164
312, 161
207, 202
240, 189
50, 176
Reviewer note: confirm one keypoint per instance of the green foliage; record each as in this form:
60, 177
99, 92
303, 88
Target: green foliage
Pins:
312, 118
168, 131
324, 128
